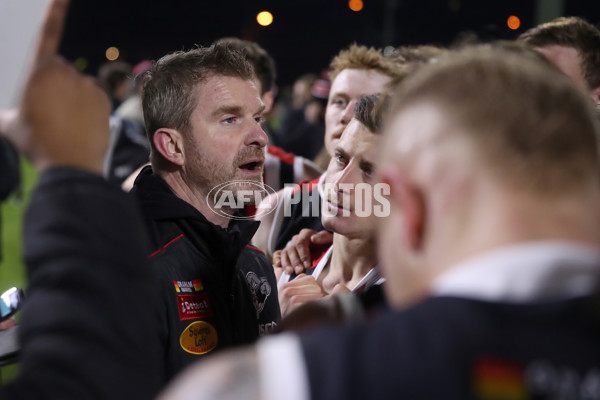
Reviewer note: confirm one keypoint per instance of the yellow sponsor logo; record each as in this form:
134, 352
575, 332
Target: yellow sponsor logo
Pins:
199, 337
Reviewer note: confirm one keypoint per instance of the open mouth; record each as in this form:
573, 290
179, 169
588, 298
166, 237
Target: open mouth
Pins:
252, 166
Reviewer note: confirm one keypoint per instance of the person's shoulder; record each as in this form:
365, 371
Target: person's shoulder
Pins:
279, 153
253, 256
307, 186
254, 250
253, 259
424, 322
164, 246
442, 314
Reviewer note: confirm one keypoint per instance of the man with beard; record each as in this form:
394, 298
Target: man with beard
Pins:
203, 113
493, 273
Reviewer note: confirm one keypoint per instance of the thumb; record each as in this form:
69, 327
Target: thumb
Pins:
340, 288
323, 237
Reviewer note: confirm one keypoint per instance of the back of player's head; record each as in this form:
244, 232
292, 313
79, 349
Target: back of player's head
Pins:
571, 32
526, 121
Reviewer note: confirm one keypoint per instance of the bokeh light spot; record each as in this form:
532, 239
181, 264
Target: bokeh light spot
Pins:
264, 18
112, 53
513, 22
355, 5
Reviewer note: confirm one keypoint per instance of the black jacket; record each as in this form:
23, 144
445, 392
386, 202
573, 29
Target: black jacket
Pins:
217, 291
457, 348
83, 331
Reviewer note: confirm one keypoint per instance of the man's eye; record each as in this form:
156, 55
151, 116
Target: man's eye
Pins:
339, 102
229, 120
260, 119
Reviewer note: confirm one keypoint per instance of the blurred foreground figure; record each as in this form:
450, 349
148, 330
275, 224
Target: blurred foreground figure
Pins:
83, 328
490, 252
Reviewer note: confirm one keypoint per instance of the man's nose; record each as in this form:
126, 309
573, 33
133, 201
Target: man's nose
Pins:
348, 113
257, 136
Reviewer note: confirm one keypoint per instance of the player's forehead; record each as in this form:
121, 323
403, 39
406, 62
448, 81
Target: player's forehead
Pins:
354, 83
226, 92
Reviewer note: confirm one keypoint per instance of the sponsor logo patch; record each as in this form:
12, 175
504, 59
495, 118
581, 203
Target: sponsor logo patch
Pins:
199, 337
194, 306
188, 286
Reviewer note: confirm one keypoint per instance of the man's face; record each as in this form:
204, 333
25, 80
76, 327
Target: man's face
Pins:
226, 142
346, 88
352, 165
567, 59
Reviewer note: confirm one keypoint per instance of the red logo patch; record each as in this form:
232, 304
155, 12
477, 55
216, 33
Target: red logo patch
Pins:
192, 306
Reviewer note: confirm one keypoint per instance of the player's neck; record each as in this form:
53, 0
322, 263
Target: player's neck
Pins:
351, 260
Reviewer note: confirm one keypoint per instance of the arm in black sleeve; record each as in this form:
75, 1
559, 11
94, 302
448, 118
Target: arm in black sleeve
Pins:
88, 326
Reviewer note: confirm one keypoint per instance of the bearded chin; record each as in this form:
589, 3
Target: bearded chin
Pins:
250, 192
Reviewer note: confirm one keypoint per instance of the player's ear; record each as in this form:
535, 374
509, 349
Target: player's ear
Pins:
408, 198
268, 99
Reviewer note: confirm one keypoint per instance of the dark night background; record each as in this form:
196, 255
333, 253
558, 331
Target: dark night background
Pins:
304, 35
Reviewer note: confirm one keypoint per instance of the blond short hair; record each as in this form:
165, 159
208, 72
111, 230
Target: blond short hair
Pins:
367, 58
528, 122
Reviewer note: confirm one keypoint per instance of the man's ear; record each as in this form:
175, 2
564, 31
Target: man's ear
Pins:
169, 143
409, 199
596, 95
268, 99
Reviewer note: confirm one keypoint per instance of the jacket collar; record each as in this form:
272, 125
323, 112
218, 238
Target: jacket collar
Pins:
160, 203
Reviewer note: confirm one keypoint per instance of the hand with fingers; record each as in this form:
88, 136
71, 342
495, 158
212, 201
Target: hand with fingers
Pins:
63, 115
326, 310
296, 256
302, 289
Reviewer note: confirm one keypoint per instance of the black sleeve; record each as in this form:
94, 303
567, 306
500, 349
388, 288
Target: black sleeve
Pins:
9, 165
373, 299
87, 329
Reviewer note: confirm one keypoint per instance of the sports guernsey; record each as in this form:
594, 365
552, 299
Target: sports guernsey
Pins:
373, 277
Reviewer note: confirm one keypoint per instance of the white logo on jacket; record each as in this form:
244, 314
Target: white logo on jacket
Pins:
260, 289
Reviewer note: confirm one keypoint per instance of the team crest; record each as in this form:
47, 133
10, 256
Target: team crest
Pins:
260, 289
